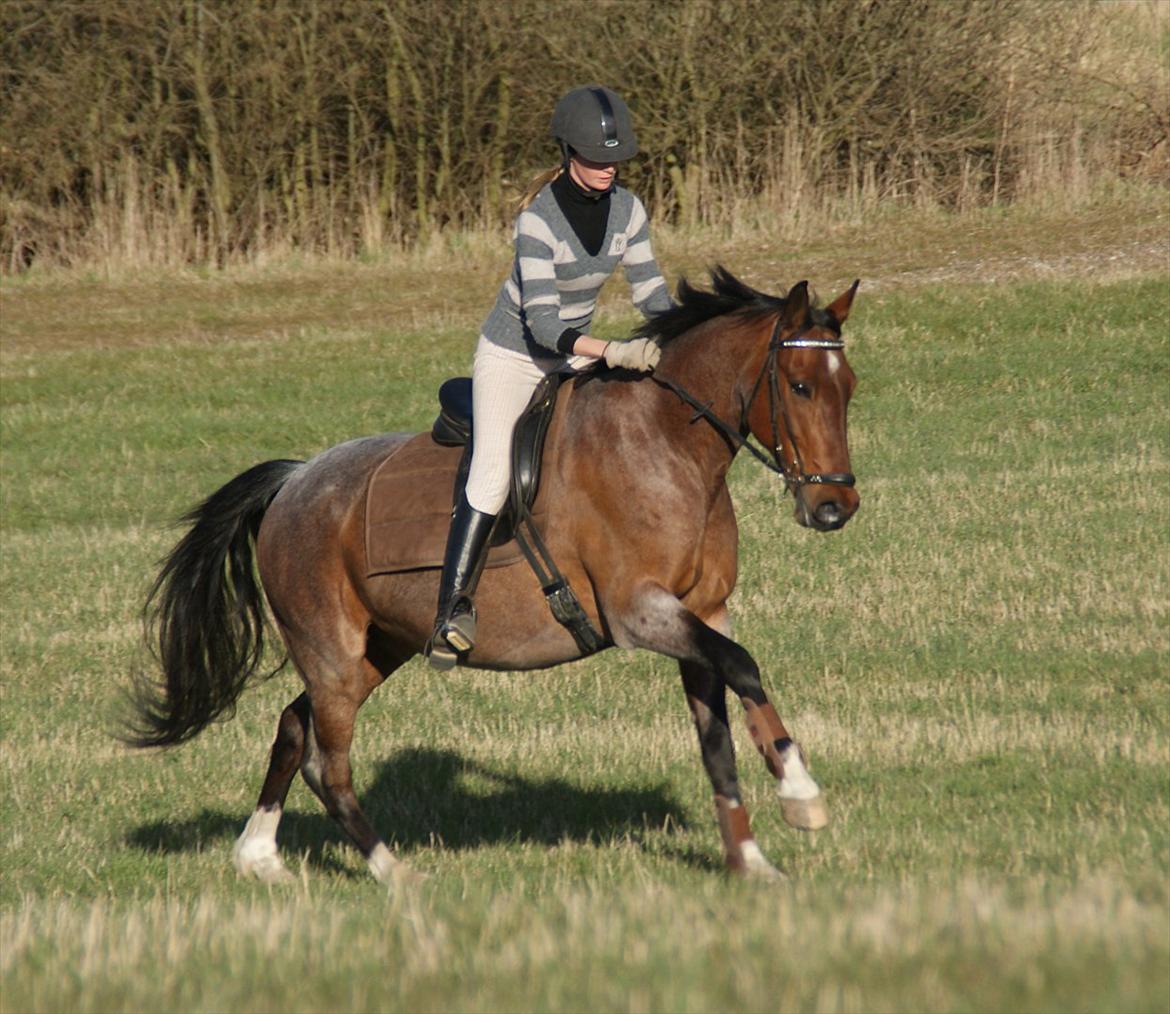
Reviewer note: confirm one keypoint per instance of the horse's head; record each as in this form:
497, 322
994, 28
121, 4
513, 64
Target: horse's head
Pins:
799, 403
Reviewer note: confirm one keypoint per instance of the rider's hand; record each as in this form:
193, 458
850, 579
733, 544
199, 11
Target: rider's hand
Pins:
640, 354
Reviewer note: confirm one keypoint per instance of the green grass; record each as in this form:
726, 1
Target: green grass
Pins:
977, 666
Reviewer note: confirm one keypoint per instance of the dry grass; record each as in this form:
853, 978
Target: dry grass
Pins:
584, 948
448, 285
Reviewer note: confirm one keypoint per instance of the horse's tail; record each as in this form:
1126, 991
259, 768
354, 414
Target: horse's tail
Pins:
205, 614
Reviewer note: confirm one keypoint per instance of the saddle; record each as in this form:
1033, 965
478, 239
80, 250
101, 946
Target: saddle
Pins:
411, 494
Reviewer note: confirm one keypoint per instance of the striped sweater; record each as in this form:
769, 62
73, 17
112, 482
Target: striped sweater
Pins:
554, 282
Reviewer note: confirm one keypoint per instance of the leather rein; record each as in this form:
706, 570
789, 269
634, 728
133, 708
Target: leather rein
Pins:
795, 477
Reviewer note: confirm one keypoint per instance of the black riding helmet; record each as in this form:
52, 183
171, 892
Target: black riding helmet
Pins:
596, 124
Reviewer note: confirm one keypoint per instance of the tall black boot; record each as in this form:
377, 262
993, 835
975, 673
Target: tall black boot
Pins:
463, 562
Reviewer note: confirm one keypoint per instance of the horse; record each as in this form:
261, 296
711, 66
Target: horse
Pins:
648, 542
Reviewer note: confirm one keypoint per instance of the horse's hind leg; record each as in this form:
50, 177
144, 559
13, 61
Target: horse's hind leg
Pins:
327, 771
255, 853
314, 735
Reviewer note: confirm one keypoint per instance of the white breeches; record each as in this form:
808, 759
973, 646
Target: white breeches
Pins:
502, 386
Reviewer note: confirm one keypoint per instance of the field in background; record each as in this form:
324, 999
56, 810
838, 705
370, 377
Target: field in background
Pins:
977, 664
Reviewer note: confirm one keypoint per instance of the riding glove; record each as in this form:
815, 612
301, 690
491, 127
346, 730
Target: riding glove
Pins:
640, 354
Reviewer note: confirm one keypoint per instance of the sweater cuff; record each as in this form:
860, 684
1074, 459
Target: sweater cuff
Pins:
567, 340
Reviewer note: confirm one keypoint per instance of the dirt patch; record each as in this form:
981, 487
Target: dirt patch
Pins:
1129, 260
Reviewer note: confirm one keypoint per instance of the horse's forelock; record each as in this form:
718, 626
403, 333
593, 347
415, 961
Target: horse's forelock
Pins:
823, 318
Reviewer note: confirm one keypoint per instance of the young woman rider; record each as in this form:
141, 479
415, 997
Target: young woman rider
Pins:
570, 238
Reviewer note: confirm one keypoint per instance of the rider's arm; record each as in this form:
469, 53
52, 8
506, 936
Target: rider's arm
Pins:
587, 346
538, 295
647, 286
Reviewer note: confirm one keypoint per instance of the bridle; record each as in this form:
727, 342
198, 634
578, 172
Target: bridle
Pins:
795, 477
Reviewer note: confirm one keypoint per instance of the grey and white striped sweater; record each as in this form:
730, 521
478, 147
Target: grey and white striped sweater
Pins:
554, 282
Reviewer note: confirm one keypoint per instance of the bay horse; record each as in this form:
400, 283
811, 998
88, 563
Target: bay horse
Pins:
642, 525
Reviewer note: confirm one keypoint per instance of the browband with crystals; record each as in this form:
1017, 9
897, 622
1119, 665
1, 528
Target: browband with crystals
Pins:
811, 343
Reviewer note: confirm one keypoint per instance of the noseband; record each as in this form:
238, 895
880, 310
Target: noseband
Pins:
795, 477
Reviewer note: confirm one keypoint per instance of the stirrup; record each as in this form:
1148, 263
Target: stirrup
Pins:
459, 630
440, 654
454, 635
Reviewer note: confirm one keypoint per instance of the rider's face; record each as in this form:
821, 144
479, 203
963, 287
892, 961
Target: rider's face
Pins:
592, 175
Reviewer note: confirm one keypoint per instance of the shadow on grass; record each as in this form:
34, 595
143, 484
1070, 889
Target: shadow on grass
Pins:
423, 798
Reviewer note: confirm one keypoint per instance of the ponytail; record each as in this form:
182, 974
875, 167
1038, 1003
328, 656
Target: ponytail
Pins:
535, 185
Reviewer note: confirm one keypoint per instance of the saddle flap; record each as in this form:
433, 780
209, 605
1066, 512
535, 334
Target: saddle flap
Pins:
528, 441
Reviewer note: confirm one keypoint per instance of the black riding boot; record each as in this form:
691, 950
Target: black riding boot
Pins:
462, 563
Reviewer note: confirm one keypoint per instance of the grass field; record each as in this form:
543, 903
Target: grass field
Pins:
977, 664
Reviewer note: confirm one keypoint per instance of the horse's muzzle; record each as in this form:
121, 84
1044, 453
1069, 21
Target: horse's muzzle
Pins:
830, 513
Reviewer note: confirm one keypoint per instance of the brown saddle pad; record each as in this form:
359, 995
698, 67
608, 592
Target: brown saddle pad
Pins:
408, 509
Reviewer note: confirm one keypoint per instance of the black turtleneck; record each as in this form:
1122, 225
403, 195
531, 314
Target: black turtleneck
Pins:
586, 210
588, 213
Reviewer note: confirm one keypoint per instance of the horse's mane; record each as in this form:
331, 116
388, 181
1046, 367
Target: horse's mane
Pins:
694, 306
727, 295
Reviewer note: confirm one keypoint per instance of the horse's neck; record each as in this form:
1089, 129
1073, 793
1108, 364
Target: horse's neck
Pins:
710, 363
714, 362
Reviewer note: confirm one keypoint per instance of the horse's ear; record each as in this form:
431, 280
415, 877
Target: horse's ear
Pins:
796, 305
839, 308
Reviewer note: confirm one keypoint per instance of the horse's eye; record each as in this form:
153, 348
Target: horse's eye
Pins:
800, 390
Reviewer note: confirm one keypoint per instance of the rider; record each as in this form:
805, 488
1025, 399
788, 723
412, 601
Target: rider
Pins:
575, 226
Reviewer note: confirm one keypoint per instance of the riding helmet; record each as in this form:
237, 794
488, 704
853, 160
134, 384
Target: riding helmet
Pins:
596, 124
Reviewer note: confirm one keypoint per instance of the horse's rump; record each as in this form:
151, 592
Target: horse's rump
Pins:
408, 509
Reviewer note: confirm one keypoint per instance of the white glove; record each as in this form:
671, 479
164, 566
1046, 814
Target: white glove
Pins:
641, 354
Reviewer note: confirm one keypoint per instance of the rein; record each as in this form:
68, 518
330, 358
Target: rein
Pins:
794, 475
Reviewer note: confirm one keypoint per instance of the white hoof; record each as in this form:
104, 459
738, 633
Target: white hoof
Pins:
388, 870
805, 814
267, 869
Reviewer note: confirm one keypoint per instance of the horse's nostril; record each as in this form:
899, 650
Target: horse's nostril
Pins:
829, 513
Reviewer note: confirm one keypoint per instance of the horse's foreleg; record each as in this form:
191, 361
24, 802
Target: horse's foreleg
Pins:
708, 704
255, 853
655, 619
801, 802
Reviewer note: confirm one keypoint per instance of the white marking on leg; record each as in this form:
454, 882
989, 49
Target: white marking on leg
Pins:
796, 782
801, 802
385, 868
255, 853
754, 862
834, 363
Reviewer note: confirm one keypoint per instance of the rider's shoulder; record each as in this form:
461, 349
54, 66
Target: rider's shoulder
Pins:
630, 206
